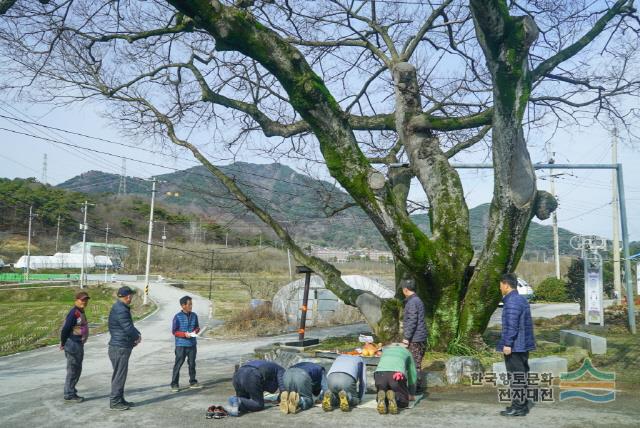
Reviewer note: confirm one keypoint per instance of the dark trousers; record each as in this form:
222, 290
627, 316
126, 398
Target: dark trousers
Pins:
74, 351
385, 382
417, 351
120, 362
182, 353
248, 383
518, 362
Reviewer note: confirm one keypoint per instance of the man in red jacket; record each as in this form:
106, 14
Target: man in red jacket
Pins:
73, 335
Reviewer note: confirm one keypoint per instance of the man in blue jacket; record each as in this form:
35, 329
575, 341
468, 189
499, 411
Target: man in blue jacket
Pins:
302, 382
414, 328
124, 336
516, 341
185, 327
250, 382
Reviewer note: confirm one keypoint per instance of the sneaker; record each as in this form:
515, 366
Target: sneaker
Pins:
175, 388
195, 386
284, 402
74, 399
294, 400
234, 406
344, 401
382, 403
119, 406
128, 403
326, 401
391, 399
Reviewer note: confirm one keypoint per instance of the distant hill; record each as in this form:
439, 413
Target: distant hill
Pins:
298, 200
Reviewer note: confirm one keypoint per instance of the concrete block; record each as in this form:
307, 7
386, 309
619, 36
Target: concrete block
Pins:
590, 342
554, 365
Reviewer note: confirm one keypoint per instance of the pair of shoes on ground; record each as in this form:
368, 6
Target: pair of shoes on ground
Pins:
512, 412
289, 401
176, 388
123, 405
233, 408
327, 399
73, 399
387, 402
216, 412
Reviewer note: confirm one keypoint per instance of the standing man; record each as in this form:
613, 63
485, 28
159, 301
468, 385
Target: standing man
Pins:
414, 329
347, 383
124, 336
73, 335
516, 341
185, 328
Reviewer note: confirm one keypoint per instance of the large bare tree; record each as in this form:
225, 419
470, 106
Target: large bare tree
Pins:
383, 93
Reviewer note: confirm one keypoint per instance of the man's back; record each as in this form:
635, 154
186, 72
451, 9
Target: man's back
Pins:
517, 324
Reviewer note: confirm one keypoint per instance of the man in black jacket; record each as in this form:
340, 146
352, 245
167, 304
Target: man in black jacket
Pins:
124, 336
414, 329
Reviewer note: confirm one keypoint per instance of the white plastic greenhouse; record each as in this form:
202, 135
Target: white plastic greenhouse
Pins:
323, 305
64, 261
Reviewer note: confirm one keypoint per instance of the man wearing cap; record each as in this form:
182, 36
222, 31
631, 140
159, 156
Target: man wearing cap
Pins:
73, 335
124, 336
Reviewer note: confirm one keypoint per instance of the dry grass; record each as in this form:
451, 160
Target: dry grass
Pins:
259, 321
31, 317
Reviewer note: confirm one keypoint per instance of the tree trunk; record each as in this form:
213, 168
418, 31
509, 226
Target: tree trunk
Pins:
505, 41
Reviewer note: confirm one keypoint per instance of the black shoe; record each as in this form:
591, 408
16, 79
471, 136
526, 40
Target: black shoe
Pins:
74, 399
119, 406
510, 411
128, 403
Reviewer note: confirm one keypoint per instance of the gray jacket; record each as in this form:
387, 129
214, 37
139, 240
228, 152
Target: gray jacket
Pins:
413, 324
123, 333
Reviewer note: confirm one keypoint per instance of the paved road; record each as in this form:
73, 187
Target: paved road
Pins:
541, 310
31, 393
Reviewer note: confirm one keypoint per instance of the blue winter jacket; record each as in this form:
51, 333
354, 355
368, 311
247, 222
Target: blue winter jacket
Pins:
185, 323
414, 329
123, 333
517, 326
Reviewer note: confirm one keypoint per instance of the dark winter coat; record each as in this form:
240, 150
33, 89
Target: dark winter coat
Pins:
123, 333
517, 326
413, 323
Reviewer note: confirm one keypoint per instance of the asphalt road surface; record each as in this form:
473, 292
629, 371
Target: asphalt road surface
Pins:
32, 383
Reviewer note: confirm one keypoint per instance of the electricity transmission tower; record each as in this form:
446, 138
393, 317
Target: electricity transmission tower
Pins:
122, 186
44, 169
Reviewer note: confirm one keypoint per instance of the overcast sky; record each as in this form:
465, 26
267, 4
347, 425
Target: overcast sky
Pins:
584, 196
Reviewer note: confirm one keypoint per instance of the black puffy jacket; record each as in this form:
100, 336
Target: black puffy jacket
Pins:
123, 333
414, 329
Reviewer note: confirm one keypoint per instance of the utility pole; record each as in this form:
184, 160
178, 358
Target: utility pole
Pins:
164, 238
106, 244
58, 233
554, 219
617, 283
146, 272
83, 227
29, 243
260, 245
289, 259
211, 274
226, 240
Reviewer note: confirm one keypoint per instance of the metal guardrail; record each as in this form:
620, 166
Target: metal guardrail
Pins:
20, 277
